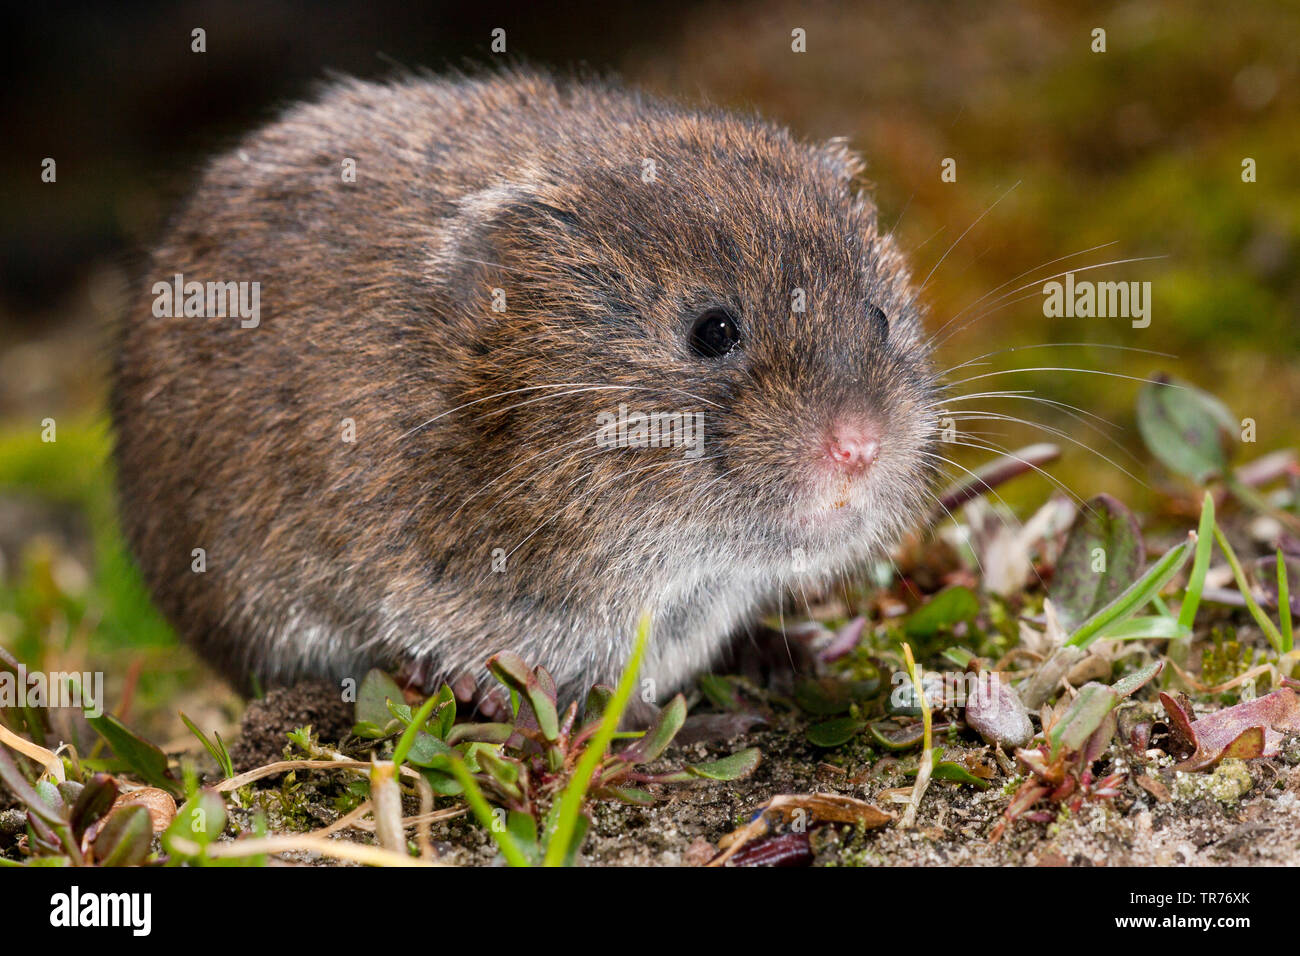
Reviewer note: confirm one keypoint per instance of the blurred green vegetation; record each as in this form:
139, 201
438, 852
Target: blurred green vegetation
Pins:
57, 614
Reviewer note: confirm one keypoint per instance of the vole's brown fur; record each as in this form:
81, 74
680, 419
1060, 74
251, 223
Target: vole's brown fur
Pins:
475, 428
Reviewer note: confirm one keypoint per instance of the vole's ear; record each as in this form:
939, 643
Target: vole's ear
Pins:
491, 241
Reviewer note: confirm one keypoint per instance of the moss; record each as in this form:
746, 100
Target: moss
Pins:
1228, 783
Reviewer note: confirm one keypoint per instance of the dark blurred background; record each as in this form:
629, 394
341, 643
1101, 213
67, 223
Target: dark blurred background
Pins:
1136, 151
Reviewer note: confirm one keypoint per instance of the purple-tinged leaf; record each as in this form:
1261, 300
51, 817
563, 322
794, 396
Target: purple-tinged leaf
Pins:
1103, 555
536, 688
95, 800
785, 850
125, 837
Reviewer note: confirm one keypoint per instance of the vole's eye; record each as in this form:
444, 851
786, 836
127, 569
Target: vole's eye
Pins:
715, 333
878, 319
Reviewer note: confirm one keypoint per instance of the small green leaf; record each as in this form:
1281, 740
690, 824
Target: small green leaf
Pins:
200, 820
942, 612
142, 757
720, 691
597, 700
1086, 712
1185, 428
503, 770
523, 828
536, 688
960, 656
376, 690
834, 732
368, 731
738, 765
1201, 564
443, 783
660, 734
1243, 586
413, 730
50, 797
629, 795
480, 733
950, 770
1091, 706
428, 751
1156, 627
891, 736
1130, 685
444, 714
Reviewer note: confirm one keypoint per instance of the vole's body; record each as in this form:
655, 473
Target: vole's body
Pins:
474, 511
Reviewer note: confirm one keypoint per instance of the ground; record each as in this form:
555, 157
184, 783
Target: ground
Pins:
1244, 813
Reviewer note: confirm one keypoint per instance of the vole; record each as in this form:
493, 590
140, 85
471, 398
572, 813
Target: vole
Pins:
421, 418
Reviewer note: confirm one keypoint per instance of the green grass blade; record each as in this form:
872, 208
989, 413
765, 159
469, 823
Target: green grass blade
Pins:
1156, 627
217, 750
408, 736
1135, 597
1265, 625
1284, 605
1196, 583
478, 803
558, 844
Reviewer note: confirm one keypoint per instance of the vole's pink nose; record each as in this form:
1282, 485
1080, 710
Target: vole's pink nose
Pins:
851, 447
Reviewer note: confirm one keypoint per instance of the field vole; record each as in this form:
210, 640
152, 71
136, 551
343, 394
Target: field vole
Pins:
400, 451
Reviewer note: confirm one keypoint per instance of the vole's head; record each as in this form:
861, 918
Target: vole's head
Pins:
710, 266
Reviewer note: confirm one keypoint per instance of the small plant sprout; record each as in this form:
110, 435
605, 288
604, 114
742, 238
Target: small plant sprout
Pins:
1284, 604
1280, 643
1201, 564
927, 753
1113, 620
561, 836
543, 766
215, 747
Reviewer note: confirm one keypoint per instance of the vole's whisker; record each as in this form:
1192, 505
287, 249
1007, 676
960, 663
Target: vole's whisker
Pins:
575, 388
1001, 301
1080, 371
607, 482
958, 240
990, 490
1026, 394
590, 436
1059, 433
1043, 265
1002, 450
897, 222
925, 242
1095, 425
978, 359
